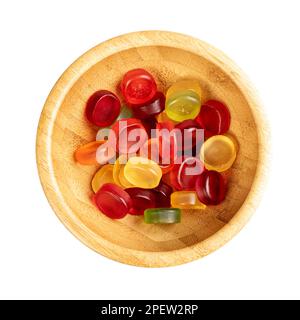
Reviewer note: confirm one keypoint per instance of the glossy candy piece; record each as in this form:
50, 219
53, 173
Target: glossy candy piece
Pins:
191, 134
185, 85
184, 175
142, 172
150, 150
150, 126
214, 117
163, 193
142, 199
138, 87
128, 135
86, 154
118, 172
102, 176
218, 153
113, 201
186, 200
96, 152
211, 188
183, 106
162, 216
102, 108
150, 109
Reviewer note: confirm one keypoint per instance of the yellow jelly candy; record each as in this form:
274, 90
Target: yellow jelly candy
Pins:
102, 176
118, 172
183, 85
183, 100
142, 172
183, 105
218, 153
186, 200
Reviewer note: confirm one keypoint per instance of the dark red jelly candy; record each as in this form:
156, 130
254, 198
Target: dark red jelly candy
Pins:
150, 124
138, 87
102, 108
211, 187
190, 135
150, 109
214, 117
184, 175
142, 199
113, 201
127, 135
163, 193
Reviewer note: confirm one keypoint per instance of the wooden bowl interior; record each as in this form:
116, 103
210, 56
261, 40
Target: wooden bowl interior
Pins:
70, 130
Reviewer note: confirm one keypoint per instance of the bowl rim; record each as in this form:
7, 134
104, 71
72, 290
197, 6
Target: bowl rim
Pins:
50, 185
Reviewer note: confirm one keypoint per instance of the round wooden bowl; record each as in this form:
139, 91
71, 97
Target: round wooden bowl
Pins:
63, 128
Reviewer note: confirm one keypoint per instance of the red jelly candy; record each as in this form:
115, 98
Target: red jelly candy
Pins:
142, 199
152, 108
163, 194
127, 135
138, 87
102, 108
185, 175
189, 134
214, 117
211, 187
113, 201
167, 141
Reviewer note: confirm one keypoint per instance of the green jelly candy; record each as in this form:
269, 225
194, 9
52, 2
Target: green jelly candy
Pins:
125, 113
183, 106
162, 215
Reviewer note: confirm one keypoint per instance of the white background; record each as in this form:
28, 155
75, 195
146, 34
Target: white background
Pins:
39, 258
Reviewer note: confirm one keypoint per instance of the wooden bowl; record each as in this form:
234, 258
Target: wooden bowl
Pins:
62, 128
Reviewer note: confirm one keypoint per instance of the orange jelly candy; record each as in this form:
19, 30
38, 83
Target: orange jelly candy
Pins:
96, 152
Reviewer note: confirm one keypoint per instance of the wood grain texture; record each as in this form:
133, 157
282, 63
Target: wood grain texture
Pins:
62, 128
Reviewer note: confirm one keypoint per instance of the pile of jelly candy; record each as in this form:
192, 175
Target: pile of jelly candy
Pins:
159, 153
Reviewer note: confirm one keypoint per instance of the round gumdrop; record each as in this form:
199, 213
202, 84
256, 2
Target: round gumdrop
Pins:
218, 153
142, 172
138, 87
185, 174
183, 106
150, 126
214, 117
191, 134
211, 187
113, 201
150, 109
102, 108
102, 176
88, 153
127, 135
163, 193
142, 199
